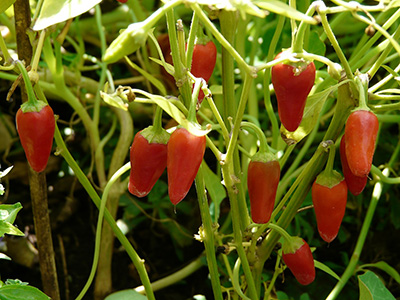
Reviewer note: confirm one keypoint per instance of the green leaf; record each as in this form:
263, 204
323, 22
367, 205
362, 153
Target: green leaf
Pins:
5, 4
21, 292
372, 288
57, 11
8, 212
283, 9
6, 227
126, 295
326, 269
215, 188
385, 267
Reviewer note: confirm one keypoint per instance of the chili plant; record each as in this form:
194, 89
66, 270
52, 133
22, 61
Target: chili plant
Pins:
233, 104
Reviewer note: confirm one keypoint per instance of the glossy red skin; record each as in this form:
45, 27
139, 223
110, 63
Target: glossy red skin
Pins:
36, 132
301, 264
291, 92
185, 154
262, 182
329, 206
203, 62
148, 162
122, 1
361, 130
355, 184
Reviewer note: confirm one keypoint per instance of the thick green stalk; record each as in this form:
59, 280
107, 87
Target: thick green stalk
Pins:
228, 22
180, 71
207, 234
229, 179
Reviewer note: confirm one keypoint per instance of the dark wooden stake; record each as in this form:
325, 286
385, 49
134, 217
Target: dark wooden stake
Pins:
37, 181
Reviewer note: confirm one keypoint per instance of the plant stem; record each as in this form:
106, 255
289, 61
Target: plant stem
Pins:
28, 86
175, 277
221, 39
208, 234
260, 135
322, 12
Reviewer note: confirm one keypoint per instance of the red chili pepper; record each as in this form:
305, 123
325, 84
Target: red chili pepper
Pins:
361, 130
35, 126
355, 184
262, 181
329, 198
292, 84
203, 62
148, 156
122, 1
300, 261
185, 154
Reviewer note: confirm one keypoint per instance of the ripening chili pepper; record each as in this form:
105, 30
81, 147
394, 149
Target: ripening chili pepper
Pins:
292, 83
355, 184
148, 157
203, 62
329, 196
299, 259
35, 126
262, 181
361, 130
185, 154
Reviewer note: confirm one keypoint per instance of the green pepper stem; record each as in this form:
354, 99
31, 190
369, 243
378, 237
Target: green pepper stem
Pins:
157, 122
287, 237
28, 85
362, 84
330, 147
260, 135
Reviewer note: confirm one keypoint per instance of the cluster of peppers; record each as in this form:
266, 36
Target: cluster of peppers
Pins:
292, 83
181, 153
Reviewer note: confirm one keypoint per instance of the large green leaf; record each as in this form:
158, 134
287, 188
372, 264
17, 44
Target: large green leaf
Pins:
57, 11
21, 292
126, 295
5, 4
372, 288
